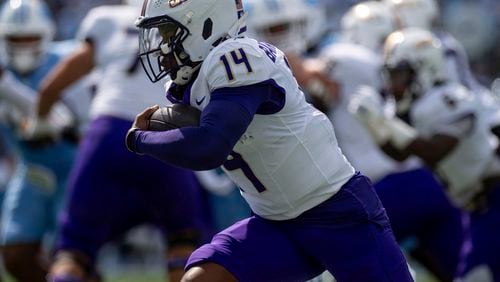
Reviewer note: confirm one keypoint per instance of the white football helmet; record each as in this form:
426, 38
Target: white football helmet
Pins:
290, 25
415, 13
414, 61
26, 29
177, 35
368, 23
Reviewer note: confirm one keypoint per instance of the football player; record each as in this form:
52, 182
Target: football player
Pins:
404, 188
312, 211
353, 62
35, 193
445, 125
110, 189
425, 14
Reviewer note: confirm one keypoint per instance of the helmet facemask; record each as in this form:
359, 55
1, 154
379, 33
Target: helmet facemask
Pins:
24, 52
161, 50
26, 29
402, 83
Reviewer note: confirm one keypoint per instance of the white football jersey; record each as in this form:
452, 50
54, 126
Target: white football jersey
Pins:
458, 68
124, 90
286, 162
457, 62
354, 66
451, 109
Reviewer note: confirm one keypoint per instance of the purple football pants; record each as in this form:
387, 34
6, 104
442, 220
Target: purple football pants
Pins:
112, 190
348, 235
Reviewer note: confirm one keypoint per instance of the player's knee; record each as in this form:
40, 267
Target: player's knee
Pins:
192, 274
71, 267
208, 272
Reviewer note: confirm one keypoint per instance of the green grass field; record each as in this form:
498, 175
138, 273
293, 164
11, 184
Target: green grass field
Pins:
125, 277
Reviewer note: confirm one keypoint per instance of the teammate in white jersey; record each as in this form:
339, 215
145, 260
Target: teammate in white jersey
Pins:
414, 200
449, 132
148, 190
312, 211
425, 14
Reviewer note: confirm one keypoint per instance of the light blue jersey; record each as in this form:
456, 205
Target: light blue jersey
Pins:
35, 193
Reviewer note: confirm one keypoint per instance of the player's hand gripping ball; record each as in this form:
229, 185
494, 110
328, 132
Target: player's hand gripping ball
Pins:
158, 118
174, 116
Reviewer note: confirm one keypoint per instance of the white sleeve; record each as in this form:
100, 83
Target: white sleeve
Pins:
96, 27
451, 113
457, 126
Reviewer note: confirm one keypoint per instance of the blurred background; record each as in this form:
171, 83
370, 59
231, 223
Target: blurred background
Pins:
475, 23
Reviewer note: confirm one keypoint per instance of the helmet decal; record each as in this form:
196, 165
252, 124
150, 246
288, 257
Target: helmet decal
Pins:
175, 3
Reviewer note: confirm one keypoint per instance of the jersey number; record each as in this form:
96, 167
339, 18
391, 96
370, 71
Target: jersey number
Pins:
237, 162
238, 57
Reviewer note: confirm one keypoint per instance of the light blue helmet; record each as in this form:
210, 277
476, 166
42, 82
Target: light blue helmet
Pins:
26, 29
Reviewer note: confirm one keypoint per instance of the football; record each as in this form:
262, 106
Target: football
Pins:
174, 116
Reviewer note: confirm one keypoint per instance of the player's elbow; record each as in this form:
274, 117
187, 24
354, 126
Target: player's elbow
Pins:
206, 166
212, 157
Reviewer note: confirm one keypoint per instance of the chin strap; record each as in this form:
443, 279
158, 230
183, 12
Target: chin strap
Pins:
184, 74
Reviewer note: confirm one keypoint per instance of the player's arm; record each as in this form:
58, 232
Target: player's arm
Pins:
207, 146
400, 140
64, 74
403, 141
16, 93
431, 151
312, 74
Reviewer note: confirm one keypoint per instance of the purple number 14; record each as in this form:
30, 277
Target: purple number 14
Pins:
237, 162
238, 57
